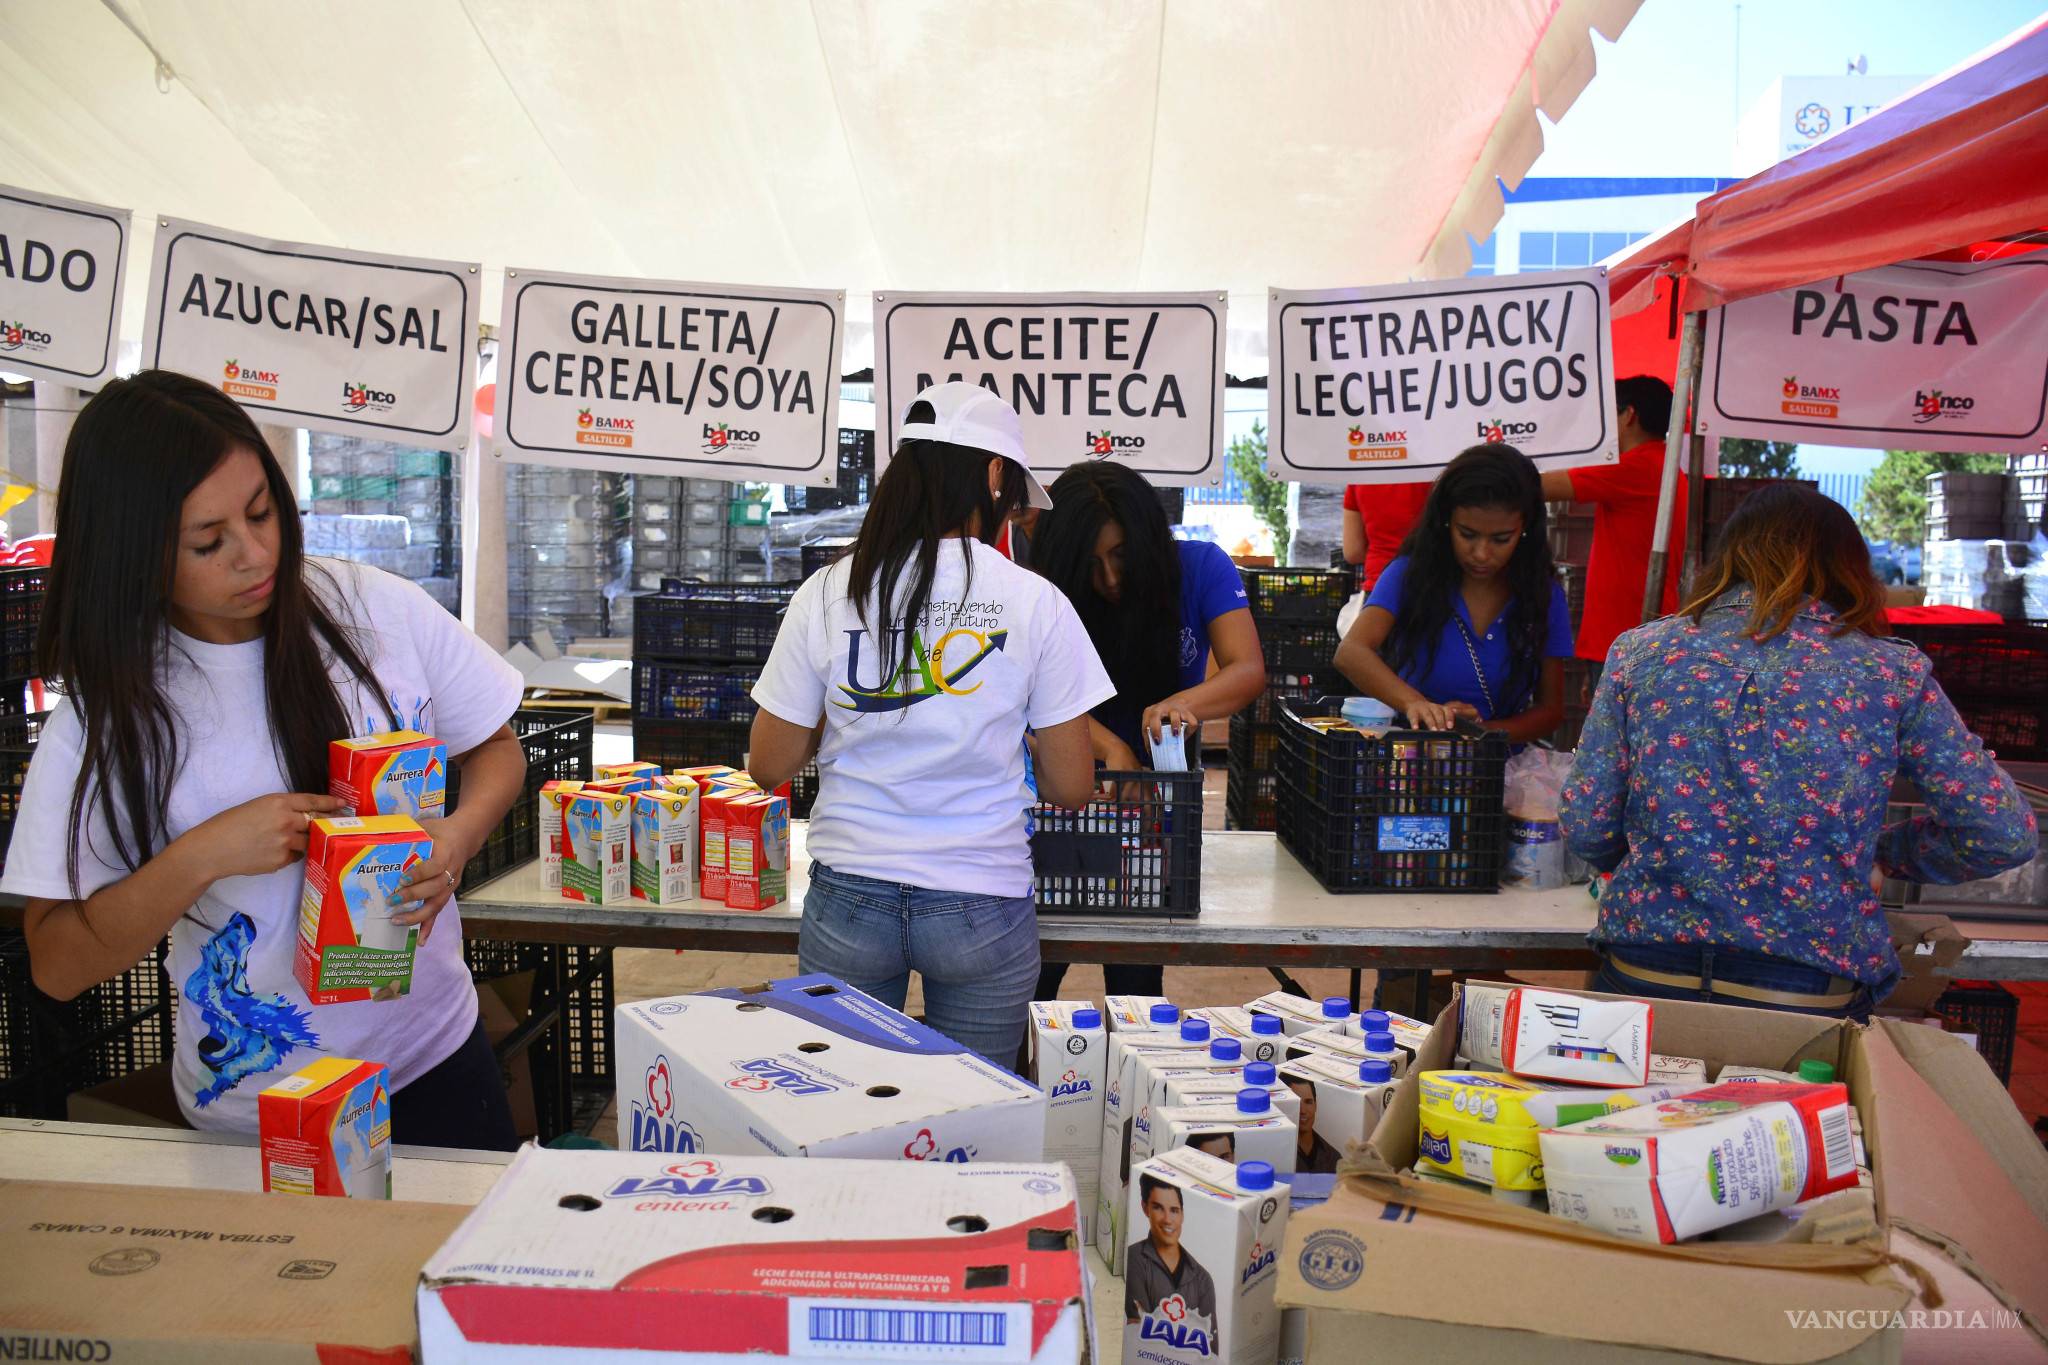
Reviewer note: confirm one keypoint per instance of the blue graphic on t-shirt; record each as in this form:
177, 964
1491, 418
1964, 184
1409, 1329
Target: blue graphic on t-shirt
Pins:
399, 716
246, 1034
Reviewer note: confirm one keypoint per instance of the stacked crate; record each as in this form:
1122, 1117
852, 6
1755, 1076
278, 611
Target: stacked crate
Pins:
350, 476
855, 481
1295, 611
2026, 497
565, 535
1571, 546
1967, 506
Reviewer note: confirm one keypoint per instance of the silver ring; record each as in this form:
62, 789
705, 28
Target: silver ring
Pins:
450, 876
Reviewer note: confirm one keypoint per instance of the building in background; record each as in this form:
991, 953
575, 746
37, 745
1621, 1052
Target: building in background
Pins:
1795, 112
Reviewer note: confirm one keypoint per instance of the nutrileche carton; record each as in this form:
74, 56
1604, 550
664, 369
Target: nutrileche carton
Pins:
1202, 1262
348, 947
597, 847
549, 817
1069, 1050
400, 772
665, 845
326, 1130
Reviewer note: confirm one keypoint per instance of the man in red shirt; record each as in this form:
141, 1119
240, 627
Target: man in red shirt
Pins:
1624, 498
1377, 518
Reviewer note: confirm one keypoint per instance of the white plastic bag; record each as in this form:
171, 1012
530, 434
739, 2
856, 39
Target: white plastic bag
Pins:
1534, 790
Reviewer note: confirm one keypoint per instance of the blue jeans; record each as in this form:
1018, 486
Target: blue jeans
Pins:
1713, 964
978, 955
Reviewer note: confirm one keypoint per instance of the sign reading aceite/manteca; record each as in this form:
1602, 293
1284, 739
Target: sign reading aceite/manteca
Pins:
61, 267
1387, 385
1136, 378
316, 336
708, 381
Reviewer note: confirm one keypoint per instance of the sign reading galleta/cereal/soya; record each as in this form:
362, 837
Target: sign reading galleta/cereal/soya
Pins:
719, 381
1930, 355
1136, 378
317, 336
1387, 385
61, 265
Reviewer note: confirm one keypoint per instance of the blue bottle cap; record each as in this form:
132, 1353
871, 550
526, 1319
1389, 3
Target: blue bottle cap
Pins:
1260, 1074
1379, 1042
1087, 1018
1194, 1030
1336, 1007
1374, 1070
1253, 1177
1266, 1023
1253, 1101
1226, 1049
1163, 1013
1374, 1021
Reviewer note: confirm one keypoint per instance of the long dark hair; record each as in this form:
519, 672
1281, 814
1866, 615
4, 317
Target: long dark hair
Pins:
1490, 475
1790, 545
931, 490
136, 451
1139, 637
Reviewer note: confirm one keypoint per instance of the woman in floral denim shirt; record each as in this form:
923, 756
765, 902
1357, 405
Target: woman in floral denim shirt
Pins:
1736, 766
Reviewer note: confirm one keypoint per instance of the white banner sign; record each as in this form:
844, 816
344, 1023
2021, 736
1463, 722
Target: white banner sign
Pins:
710, 381
1926, 356
316, 336
1387, 385
1136, 378
61, 266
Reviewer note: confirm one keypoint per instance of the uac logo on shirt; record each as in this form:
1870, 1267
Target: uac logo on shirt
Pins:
924, 675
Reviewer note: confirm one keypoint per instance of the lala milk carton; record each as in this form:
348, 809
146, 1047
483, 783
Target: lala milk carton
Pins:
1251, 1130
756, 852
1154, 1072
712, 820
326, 1129
1299, 1014
549, 814
665, 845
597, 847
614, 1256
1409, 1034
1069, 1052
1263, 1035
627, 772
809, 1066
1701, 1160
399, 772
1119, 1109
348, 947
1140, 1013
1202, 1262
1220, 1089
1341, 1103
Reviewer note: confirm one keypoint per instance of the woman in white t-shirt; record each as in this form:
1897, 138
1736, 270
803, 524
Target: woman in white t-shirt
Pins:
917, 713
206, 665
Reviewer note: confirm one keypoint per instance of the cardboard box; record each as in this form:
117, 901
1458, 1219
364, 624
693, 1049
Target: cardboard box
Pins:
326, 1130
809, 1066
712, 820
549, 813
1069, 1060
199, 1277
348, 947
1951, 1155
1235, 1137
597, 844
140, 1099
665, 845
614, 1255
1263, 1036
756, 852
400, 772
1220, 1226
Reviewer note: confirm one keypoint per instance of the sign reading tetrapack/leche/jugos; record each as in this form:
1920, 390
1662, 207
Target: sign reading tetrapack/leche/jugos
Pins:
316, 336
1930, 355
716, 381
1387, 385
1136, 378
61, 266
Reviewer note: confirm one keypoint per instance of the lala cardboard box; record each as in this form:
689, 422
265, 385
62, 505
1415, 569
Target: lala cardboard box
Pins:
326, 1129
809, 1066
1069, 1051
400, 772
597, 844
756, 852
665, 845
1202, 1264
614, 1256
349, 949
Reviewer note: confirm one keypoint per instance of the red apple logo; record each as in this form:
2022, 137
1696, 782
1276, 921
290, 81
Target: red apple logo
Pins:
1358, 436
1930, 406
1791, 386
1102, 444
583, 417
232, 370
718, 437
1494, 432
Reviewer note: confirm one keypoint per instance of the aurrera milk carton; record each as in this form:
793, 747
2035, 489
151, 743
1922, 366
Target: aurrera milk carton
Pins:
809, 1066
1251, 1131
712, 819
627, 772
1119, 1108
756, 852
548, 812
1069, 1052
326, 1130
597, 844
399, 772
1202, 1263
614, 1256
665, 845
348, 947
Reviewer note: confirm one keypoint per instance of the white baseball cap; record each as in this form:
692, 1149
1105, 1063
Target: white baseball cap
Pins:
965, 414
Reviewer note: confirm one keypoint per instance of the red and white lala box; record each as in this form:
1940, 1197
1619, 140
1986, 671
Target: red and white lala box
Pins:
578, 1255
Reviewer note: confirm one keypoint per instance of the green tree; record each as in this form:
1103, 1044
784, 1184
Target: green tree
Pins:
1758, 459
1894, 502
1266, 494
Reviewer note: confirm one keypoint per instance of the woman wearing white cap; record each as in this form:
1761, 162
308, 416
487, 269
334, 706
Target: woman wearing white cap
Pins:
912, 668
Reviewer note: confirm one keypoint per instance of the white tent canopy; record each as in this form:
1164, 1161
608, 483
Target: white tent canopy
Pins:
891, 144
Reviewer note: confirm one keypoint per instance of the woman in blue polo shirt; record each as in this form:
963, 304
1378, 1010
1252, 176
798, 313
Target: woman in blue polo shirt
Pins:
1470, 623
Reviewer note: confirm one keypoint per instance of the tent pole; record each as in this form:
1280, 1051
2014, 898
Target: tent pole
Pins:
1690, 350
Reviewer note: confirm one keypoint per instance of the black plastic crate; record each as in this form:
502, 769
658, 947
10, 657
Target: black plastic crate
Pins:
1298, 647
21, 616
584, 1032
816, 554
689, 743
1988, 1010
50, 1048
1250, 801
18, 735
557, 747
1138, 852
1404, 810
690, 691
1984, 661
2014, 728
1296, 594
1293, 687
726, 623
803, 791
1252, 744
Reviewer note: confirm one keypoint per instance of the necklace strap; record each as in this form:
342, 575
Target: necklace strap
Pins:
1472, 653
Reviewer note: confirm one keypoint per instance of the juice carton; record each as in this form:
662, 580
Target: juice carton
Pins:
756, 852
1341, 1103
597, 842
326, 1129
348, 947
1677, 1070
549, 815
1263, 1035
1251, 1130
665, 845
626, 772
1202, 1262
400, 772
711, 820
1140, 1014
1069, 1060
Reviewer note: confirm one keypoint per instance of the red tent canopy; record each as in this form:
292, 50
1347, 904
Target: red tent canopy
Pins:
1962, 159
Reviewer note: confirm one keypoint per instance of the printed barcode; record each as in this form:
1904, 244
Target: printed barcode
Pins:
286, 1178
1834, 1138
907, 1327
